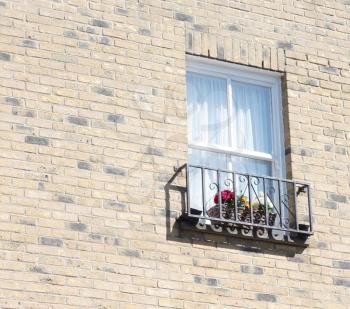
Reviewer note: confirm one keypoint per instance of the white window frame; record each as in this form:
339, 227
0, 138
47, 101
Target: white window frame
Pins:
250, 75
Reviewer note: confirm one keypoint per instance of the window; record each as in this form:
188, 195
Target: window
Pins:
234, 121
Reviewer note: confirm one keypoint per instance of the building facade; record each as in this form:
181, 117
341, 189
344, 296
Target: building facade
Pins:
94, 131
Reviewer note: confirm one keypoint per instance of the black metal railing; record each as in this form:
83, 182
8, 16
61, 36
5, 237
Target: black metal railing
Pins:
239, 200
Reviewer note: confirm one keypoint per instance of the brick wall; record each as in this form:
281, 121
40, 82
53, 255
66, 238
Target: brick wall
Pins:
93, 120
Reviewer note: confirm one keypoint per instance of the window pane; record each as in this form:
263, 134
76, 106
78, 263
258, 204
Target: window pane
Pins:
251, 166
223, 162
252, 119
207, 109
206, 159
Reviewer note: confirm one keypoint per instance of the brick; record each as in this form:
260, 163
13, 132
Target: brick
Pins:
65, 199
251, 270
80, 121
80, 227
130, 252
153, 151
13, 101
144, 31
48, 241
70, 34
29, 44
100, 23
329, 69
83, 165
105, 40
115, 205
266, 297
183, 17
284, 45
36, 140
103, 91
341, 264
338, 198
5, 56
208, 281
341, 281
114, 170
38, 269
116, 118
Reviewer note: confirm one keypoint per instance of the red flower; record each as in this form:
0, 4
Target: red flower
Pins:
226, 196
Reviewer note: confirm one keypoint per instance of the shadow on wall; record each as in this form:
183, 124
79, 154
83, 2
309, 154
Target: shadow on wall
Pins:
184, 231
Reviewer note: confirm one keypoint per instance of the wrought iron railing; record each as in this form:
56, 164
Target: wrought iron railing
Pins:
235, 200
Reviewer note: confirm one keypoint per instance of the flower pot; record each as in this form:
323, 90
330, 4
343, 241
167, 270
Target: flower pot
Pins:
243, 215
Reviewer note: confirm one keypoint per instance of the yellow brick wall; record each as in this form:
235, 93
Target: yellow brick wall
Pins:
93, 121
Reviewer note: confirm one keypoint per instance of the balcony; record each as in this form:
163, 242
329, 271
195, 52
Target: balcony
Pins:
247, 205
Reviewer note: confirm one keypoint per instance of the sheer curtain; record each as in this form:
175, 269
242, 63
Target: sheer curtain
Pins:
252, 126
251, 117
208, 124
207, 109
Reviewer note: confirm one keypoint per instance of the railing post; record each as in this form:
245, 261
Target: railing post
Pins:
280, 203
188, 189
250, 202
203, 192
235, 195
265, 201
296, 206
219, 193
309, 204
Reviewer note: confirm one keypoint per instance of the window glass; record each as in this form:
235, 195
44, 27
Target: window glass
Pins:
210, 122
207, 109
252, 121
251, 166
228, 162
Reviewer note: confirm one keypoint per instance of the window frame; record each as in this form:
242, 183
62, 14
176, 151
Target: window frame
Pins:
251, 75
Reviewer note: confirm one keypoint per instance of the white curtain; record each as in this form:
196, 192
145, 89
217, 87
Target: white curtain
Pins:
251, 117
208, 124
207, 114
207, 109
252, 126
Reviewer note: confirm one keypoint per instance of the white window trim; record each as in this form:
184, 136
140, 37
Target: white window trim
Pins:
231, 151
256, 76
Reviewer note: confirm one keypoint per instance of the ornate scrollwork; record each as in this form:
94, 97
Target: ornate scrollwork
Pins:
216, 227
246, 231
271, 190
232, 230
228, 181
242, 178
255, 180
214, 186
261, 232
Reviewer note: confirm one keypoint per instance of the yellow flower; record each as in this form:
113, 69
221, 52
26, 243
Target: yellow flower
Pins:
244, 201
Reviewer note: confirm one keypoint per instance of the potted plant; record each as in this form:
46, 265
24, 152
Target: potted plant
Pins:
243, 208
